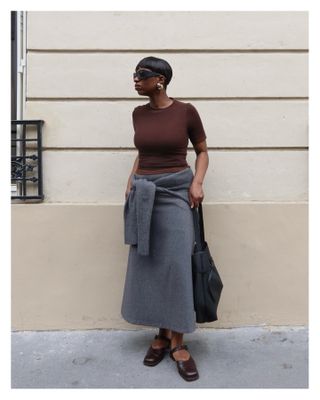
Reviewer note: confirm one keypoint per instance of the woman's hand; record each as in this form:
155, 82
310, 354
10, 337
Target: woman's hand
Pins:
129, 187
196, 194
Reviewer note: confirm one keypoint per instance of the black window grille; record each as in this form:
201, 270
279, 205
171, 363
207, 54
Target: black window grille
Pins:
26, 160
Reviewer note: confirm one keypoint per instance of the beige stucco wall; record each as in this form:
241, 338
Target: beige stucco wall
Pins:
247, 74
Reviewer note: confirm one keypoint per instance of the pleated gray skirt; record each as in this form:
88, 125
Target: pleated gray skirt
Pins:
158, 287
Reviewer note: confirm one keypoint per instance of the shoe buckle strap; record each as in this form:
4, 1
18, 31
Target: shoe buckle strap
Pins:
179, 347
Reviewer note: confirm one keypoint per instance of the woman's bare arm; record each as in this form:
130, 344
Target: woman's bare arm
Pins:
134, 169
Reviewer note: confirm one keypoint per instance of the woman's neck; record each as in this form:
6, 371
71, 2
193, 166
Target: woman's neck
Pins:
160, 100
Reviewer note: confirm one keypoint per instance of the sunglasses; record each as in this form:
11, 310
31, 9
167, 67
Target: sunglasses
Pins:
144, 74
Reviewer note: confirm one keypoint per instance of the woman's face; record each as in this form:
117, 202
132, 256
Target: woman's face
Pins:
148, 85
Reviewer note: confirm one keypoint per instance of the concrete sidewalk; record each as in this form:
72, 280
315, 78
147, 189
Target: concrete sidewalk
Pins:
250, 357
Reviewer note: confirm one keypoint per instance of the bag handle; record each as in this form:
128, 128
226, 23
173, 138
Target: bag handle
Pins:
201, 221
198, 227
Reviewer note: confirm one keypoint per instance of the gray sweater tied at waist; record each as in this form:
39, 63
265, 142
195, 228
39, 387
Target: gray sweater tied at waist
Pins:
140, 201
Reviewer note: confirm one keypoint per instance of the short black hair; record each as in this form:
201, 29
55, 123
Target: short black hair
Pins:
157, 65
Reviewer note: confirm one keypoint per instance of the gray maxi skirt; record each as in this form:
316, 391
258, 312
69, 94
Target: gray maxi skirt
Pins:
158, 287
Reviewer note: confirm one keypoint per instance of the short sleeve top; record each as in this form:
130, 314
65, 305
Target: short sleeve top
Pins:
161, 136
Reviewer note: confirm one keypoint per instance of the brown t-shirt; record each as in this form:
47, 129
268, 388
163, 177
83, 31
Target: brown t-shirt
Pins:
161, 136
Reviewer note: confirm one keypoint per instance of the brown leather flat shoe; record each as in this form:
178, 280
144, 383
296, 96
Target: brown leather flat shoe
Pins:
187, 369
154, 356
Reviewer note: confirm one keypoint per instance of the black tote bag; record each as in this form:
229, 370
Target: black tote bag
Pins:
207, 284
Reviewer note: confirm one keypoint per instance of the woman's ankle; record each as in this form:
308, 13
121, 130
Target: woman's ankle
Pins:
165, 332
176, 339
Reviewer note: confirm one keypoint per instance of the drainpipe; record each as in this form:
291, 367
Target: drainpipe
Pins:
21, 35
21, 62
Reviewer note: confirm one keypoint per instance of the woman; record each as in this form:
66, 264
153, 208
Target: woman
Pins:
160, 196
